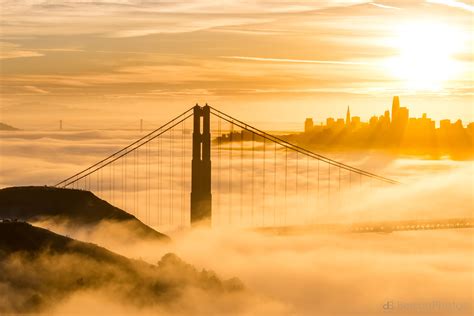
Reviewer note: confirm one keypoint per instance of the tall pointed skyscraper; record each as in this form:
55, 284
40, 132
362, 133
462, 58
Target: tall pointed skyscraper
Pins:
348, 117
395, 108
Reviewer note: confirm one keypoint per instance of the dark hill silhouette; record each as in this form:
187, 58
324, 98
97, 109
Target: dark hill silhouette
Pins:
39, 269
21, 236
6, 127
76, 207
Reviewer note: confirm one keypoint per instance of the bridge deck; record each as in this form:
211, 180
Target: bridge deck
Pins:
373, 227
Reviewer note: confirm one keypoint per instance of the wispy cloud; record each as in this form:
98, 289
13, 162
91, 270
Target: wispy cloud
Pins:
10, 51
383, 6
72, 50
454, 4
35, 90
183, 92
182, 50
298, 61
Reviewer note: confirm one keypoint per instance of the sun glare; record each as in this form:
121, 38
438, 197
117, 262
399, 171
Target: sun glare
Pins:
426, 55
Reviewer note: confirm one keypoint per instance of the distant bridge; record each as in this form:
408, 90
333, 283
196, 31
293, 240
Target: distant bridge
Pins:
167, 180
373, 227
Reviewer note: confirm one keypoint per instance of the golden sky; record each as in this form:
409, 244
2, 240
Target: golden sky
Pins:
119, 60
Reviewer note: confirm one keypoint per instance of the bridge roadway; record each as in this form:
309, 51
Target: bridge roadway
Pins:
373, 227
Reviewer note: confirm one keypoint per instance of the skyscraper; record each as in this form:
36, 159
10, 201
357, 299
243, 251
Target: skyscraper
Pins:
348, 117
308, 125
403, 115
395, 108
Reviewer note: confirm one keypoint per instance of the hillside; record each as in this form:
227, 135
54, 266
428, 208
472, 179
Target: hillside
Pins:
6, 127
23, 237
75, 207
40, 269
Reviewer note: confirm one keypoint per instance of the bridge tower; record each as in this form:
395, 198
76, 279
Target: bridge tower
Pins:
201, 197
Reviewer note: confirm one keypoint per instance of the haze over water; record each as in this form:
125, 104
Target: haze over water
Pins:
289, 274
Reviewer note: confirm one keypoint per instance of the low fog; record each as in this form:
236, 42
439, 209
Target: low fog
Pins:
58, 283
316, 273
281, 275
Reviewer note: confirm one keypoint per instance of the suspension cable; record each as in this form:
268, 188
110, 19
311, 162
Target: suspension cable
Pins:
129, 150
129, 146
297, 148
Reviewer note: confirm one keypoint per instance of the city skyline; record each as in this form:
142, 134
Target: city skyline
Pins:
395, 131
396, 111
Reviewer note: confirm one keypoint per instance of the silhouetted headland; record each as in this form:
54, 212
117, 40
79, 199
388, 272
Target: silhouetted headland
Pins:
67, 206
6, 127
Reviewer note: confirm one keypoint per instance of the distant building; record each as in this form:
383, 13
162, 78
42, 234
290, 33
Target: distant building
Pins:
348, 117
330, 122
402, 117
373, 120
395, 108
444, 124
356, 121
308, 125
458, 124
470, 126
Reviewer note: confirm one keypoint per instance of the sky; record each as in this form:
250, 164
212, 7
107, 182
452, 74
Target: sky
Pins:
106, 64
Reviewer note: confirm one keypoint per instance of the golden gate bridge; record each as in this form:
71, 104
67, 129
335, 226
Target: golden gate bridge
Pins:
239, 175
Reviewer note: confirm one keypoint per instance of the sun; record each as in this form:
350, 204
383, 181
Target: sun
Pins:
426, 55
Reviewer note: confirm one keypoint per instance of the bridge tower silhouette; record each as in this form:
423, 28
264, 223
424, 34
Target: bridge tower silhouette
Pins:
201, 197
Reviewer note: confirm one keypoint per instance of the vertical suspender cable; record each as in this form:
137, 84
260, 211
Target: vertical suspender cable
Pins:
286, 185
231, 135
263, 182
253, 176
274, 181
113, 182
219, 186
296, 176
125, 182
241, 175
170, 210
135, 168
111, 191
148, 183
339, 189
307, 186
329, 187
160, 181
183, 176
318, 197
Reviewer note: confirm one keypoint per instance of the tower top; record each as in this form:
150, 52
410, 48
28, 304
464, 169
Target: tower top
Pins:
395, 107
396, 101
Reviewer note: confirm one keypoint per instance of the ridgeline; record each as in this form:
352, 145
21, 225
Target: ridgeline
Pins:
74, 207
